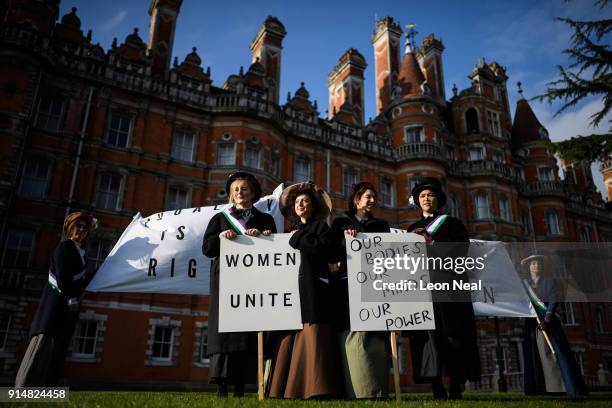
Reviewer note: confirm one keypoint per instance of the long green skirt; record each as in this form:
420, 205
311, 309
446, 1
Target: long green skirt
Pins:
365, 364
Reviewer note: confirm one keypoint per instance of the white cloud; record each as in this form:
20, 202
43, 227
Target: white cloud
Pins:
114, 21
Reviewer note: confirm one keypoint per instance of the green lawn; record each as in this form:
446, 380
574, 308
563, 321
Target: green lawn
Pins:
207, 399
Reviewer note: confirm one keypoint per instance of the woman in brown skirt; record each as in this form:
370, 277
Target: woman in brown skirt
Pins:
305, 364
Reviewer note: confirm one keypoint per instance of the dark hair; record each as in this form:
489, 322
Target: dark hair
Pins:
313, 200
358, 190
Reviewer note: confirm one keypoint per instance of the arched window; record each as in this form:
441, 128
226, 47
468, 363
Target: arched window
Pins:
471, 120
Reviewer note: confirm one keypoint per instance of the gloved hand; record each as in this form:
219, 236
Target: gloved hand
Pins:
423, 232
545, 323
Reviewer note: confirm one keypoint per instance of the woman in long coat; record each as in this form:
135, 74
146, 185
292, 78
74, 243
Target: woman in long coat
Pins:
543, 371
452, 348
305, 364
57, 314
364, 355
233, 356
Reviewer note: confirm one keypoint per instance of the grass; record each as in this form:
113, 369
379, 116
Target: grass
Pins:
207, 399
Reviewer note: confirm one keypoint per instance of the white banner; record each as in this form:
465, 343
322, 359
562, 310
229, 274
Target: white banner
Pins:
502, 293
372, 309
258, 284
162, 253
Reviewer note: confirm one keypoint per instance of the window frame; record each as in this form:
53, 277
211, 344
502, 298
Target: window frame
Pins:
119, 203
408, 134
30, 250
350, 176
233, 155
477, 207
60, 117
552, 231
505, 213
176, 149
188, 197
254, 148
494, 123
308, 162
389, 182
77, 336
22, 182
128, 138
170, 345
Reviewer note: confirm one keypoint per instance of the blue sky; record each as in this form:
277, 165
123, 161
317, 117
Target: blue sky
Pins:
521, 35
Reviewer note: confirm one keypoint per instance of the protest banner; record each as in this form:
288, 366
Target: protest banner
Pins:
162, 253
258, 284
386, 310
502, 293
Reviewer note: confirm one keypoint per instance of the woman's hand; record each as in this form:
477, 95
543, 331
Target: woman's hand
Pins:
352, 232
423, 232
267, 232
228, 234
253, 232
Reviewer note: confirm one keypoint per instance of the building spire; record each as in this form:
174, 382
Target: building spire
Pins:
410, 34
520, 90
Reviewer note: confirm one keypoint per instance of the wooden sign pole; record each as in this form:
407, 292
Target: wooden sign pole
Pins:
260, 365
396, 378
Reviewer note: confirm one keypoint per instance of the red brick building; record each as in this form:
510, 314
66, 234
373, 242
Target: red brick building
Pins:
123, 130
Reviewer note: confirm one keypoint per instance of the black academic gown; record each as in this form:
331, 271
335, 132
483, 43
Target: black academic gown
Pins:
314, 245
220, 343
339, 281
53, 317
452, 348
549, 291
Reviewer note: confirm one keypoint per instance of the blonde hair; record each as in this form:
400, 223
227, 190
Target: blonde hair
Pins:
229, 195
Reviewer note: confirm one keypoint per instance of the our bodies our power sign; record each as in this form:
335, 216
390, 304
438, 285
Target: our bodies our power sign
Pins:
258, 284
387, 310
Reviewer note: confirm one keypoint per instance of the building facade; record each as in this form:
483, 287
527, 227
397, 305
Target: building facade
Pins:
127, 130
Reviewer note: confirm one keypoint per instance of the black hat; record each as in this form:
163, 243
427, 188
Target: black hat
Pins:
429, 183
246, 176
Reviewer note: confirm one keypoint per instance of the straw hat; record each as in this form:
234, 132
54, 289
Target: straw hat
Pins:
526, 261
323, 201
73, 217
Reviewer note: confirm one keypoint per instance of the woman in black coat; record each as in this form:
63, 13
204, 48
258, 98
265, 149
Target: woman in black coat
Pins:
233, 356
57, 314
545, 372
305, 363
364, 355
452, 348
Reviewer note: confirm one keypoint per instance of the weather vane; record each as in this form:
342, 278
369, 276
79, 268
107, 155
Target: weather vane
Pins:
411, 33
520, 90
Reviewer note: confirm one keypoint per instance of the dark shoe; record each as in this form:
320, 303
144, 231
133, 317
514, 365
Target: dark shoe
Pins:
439, 392
239, 390
455, 390
222, 390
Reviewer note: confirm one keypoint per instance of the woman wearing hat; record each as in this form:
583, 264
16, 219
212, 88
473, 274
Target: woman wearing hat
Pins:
451, 349
543, 371
305, 363
364, 355
233, 356
57, 313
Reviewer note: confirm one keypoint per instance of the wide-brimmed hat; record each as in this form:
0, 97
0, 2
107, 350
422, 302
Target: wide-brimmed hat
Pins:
73, 217
526, 261
246, 176
289, 194
429, 183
